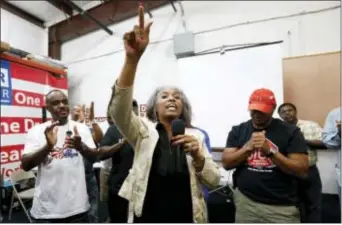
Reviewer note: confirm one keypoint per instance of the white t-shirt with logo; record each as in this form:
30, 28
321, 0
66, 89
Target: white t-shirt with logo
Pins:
60, 190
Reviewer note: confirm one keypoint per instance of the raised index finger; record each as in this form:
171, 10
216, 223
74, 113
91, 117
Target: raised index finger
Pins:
141, 16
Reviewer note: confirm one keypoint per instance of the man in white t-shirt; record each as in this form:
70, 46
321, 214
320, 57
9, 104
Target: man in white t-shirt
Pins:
57, 147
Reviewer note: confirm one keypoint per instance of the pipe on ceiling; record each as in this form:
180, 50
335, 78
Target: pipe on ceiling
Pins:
86, 15
182, 15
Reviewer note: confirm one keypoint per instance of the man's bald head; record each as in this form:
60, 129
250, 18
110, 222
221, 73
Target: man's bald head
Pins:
51, 93
58, 105
77, 107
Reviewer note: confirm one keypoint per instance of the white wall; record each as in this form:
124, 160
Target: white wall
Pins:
307, 34
23, 35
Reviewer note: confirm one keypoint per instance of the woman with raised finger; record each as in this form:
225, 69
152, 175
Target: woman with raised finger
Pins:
156, 190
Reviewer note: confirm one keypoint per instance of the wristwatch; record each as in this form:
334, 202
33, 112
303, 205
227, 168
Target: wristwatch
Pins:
270, 153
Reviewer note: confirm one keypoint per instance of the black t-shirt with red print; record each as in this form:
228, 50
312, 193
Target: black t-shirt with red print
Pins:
258, 178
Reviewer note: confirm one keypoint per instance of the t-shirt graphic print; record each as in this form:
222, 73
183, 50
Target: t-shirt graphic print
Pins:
258, 162
60, 153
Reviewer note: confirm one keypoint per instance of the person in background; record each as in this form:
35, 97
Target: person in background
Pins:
310, 187
106, 164
104, 171
78, 114
332, 139
268, 154
117, 169
92, 190
157, 191
207, 142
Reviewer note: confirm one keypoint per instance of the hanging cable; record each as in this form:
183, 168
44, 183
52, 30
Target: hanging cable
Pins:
182, 15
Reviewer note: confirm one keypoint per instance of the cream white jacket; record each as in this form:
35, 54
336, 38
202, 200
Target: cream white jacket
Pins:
142, 134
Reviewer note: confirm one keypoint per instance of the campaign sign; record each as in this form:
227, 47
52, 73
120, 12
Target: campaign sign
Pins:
6, 84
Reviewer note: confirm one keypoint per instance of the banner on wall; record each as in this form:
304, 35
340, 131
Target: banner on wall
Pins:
102, 119
22, 93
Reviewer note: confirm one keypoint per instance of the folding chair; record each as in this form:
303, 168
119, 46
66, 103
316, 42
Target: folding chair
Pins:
28, 194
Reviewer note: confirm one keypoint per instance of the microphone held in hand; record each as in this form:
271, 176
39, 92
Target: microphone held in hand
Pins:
178, 128
68, 136
68, 133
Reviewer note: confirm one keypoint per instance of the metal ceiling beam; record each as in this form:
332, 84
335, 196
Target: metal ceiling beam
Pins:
107, 13
173, 5
21, 13
61, 6
147, 9
86, 15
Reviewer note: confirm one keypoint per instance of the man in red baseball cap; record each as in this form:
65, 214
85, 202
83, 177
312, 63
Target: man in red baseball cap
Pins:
262, 100
267, 155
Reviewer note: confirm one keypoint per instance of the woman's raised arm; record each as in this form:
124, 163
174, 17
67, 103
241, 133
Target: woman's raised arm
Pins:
120, 110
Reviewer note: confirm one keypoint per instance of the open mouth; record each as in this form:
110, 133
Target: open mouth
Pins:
171, 107
63, 113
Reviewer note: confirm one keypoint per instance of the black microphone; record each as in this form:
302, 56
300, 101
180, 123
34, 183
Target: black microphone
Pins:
68, 133
178, 128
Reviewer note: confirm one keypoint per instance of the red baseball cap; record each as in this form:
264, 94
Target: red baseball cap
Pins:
262, 100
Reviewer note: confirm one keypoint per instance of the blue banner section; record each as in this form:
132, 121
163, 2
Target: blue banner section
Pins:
6, 83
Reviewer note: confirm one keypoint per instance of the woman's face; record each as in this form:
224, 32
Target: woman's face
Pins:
169, 104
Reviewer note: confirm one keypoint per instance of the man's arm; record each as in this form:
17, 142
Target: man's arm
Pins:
35, 157
297, 161
101, 153
233, 156
110, 144
88, 148
315, 144
97, 133
294, 163
34, 154
330, 136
